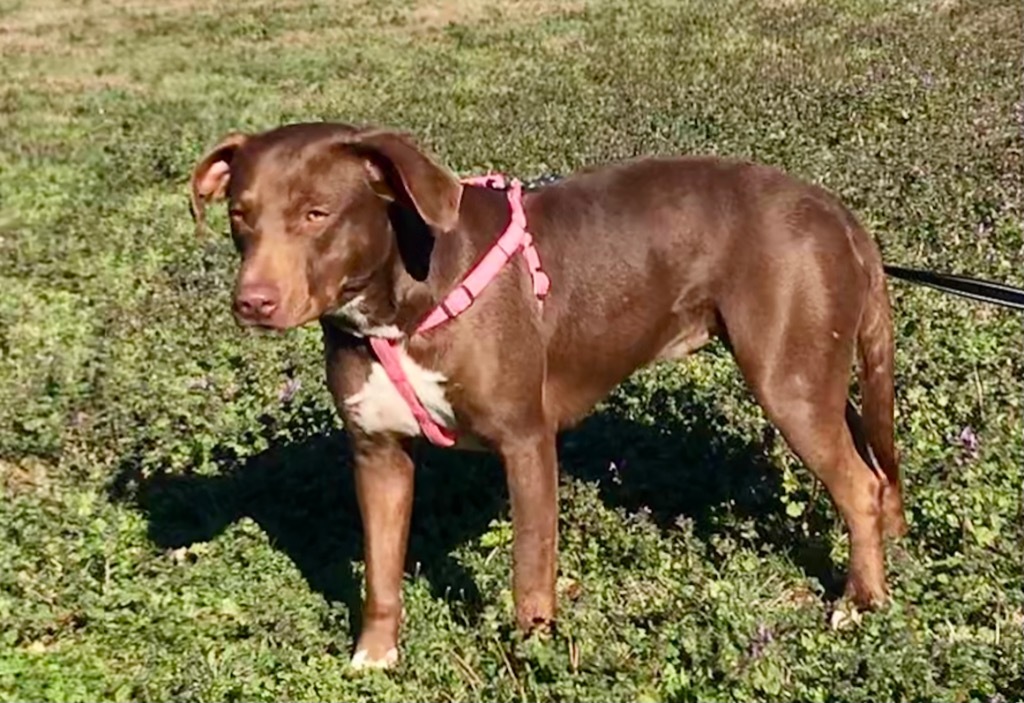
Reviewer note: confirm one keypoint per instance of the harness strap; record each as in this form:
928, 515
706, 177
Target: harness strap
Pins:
387, 353
515, 238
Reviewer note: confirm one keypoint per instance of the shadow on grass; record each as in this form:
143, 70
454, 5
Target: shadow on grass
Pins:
302, 495
693, 463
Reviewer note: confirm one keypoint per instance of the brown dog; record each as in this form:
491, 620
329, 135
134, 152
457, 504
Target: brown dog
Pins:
648, 259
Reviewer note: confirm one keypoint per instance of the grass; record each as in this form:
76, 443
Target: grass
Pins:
178, 524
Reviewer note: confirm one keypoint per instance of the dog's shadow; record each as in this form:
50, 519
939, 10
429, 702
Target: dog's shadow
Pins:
685, 465
302, 495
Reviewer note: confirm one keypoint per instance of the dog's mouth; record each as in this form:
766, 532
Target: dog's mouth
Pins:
352, 312
262, 327
350, 290
279, 323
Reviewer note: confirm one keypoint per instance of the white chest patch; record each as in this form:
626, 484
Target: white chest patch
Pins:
378, 406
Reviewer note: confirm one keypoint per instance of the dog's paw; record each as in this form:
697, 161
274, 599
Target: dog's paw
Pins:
362, 660
866, 596
845, 616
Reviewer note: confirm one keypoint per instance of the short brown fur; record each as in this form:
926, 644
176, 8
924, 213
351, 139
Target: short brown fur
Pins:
649, 259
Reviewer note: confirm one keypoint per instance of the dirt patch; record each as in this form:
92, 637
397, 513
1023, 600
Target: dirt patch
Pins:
424, 16
43, 25
45, 14
444, 12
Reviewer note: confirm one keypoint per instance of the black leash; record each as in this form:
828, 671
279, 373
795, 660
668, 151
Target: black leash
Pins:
973, 288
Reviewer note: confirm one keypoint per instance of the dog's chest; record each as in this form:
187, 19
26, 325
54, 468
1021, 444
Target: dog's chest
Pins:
379, 407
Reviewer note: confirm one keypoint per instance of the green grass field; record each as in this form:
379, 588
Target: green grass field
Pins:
177, 512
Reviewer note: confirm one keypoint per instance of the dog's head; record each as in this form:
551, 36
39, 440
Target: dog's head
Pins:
309, 208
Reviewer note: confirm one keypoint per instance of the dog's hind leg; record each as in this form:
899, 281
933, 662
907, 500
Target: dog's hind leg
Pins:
825, 445
795, 351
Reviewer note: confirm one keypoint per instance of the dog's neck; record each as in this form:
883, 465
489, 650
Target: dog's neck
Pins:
423, 267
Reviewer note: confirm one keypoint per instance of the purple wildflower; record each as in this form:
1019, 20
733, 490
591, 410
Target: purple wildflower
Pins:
969, 443
289, 389
761, 639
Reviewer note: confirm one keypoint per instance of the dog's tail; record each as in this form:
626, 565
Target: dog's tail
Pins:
875, 348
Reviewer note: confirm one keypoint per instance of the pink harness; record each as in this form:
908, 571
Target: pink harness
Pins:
513, 239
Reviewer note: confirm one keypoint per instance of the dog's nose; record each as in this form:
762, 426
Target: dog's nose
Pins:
256, 303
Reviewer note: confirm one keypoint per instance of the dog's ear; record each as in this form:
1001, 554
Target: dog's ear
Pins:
211, 175
397, 169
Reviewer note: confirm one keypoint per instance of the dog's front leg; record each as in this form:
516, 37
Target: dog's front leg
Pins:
384, 489
531, 465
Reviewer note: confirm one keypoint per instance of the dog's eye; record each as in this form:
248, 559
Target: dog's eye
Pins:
317, 215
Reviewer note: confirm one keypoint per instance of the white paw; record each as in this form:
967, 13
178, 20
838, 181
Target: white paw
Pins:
845, 617
361, 660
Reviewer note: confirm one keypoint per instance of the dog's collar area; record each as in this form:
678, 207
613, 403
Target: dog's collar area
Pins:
498, 182
515, 238
541, 181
